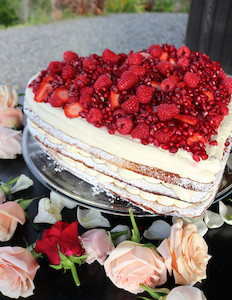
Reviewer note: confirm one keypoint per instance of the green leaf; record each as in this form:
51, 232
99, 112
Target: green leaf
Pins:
12, 181
115, 235
56, 267
6, 188
21, 94
78, 259
155, 293
135, 232
25, 203
145, 298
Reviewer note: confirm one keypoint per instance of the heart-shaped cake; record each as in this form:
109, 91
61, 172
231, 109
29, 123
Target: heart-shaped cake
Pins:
153, 127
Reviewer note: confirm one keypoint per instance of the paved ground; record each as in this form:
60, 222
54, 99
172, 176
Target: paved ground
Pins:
25, 51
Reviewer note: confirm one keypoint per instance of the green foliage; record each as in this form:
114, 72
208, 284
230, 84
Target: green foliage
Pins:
8, 16
171, 6
119, 6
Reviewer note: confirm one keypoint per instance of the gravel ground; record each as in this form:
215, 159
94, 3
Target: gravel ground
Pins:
25, 51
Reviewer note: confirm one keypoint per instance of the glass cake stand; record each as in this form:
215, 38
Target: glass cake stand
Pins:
54, 177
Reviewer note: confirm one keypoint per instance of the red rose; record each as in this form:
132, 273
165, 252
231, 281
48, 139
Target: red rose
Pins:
61, 234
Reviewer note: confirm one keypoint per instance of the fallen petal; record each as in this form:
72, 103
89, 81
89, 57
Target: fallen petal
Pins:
186, 293
62, 201
47, 212
159, 230
90, 218
123, 237
212, 219
201, 227
22, 183
225, 211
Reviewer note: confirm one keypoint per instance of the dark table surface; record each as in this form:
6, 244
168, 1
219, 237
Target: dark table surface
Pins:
53, 284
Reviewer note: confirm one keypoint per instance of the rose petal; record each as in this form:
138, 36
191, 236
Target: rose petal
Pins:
212, 219
47, 212
10, 143
159, 230
90, 218
123, 237
22, 183
2, 196
201, 227
61, 201
185, 293
225, 211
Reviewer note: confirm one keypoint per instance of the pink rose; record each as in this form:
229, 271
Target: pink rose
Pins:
186, 293
97, 244
186, 253
17, 271
10, 214
8, 98
2, 196
131, 264
10, 143
11, 117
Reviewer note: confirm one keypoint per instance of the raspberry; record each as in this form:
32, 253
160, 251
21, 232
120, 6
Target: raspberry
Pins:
72, 100
89, 64
165, 67
156, 51
68, 72
183, 52
94, 115
167, 85
109, 55
68, 56
103, 82
135, 59
80, 80
85, 99
124, 125
127, 81
166, 112
191, 79
144, 93
55, 67
138, 70
163, 137
154, 46
141, 131
131, 105
217, 120
183, 62
228, 83
224, 109
87, 90
222, 74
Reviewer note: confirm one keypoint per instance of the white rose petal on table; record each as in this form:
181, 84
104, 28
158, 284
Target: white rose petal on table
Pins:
186, 293
61, 201
47, 212
159, 230
23, 183
90, 218
212, 219
225, 211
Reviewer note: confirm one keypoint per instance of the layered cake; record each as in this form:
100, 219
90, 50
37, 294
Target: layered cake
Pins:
153, 127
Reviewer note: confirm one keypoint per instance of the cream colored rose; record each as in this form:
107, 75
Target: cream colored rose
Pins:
17, 271
10, 143
11, 117
8, 98
132, 264
185, 253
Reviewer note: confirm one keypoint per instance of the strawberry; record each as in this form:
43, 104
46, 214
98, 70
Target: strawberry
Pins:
183, 62
172, 61
145, 54
89, 64
73, 110
163, 137
131, 105
85, 99
59, 96
103, 82
109, 56
141, 131
164, 56
68, 72
94, 115
166, 112
87, 90
192, 120
165, 67
167, 85
209, 95
68, 56
135, 59
228, 83
156, 85
127, 81
114, 103
55, 67
144, 93
197, 137
43, 89
124, 125
183, 52
138, 70
156, 51
191, 79
56, 102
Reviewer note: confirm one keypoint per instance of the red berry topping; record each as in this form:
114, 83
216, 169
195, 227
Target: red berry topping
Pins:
80, 80
94, 115
166, 112
131, 105
68, 56
167, 85
114, 100
138, 70
127, 81
191, 79
109, 56
183, 52
68, 72
135, 59
59, 95
124, 125
183, 62
156, 85
144, 93
221, 74
55, 67
164, 56
103, 82
196, 138
163, 137
87, 90
192, 120
89, 64
141, 131
156, 51
165, 67
85, 99
228, 83
73, 110
217, 120
44, 88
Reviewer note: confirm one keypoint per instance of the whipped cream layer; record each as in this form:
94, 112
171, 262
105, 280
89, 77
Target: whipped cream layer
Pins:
180, 163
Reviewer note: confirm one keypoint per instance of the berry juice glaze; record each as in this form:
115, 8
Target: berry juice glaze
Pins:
162, 96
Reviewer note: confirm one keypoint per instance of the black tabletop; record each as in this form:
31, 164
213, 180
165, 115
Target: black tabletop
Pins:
52, 284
